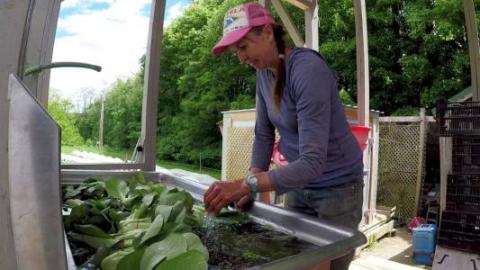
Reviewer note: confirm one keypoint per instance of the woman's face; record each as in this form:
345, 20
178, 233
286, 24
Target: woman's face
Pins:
257, 49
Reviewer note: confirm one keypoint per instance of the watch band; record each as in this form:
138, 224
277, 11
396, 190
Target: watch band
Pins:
252, 181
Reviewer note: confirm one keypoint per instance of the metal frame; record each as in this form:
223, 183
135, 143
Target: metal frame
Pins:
38, 46
15, 18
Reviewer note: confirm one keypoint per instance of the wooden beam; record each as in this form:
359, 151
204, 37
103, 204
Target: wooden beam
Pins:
150, 93
374, 154
311, 27
287, 22
400, 119
421, 158
445, 144
473, 47
363, 84
227, 124
302, 4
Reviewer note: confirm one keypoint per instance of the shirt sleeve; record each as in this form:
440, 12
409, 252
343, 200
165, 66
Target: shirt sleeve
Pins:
311, 82
264, 136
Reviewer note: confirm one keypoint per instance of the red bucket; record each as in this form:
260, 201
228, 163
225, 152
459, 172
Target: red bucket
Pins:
361, 134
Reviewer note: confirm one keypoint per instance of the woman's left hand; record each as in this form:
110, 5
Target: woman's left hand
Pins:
221, 194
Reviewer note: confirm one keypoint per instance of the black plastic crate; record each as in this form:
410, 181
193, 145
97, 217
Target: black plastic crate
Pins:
460, 231
463, 203
463, 190
464, 179
466, 154
459, 242
458, 118
468, 224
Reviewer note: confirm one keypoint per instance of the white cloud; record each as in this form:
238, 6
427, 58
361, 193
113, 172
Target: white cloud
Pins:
174, 12
114, 38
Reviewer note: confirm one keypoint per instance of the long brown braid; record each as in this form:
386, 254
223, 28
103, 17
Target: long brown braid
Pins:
278, 33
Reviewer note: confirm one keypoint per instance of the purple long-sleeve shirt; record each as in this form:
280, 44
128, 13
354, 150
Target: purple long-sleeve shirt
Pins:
315, 135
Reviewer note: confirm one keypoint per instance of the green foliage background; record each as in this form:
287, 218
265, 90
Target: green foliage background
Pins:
418, 53
60, 109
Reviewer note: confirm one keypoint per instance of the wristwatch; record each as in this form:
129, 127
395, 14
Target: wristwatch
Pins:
252, 181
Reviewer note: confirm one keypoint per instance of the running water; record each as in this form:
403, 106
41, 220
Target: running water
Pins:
209, 231
208, 225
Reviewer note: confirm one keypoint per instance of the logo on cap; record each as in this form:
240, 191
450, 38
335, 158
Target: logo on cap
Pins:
234, 21
228, 21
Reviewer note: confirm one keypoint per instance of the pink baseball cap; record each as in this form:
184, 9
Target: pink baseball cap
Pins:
239, 21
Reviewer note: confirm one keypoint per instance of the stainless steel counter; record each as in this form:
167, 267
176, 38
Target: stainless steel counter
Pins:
332, 240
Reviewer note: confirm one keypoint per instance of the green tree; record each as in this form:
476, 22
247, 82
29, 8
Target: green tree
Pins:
196, 86
418, 53
61, 110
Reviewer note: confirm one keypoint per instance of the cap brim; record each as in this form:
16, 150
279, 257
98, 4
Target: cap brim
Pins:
228, 40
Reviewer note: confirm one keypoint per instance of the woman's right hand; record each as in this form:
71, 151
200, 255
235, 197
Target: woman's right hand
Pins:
220, 194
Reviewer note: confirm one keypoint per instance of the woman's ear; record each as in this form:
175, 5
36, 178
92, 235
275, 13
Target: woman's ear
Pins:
268, 30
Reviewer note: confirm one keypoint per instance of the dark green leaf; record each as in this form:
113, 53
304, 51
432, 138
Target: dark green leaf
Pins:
173, 245
111, 261
92, 230
191, 260
194, 243
154, 229
163, 210
116, 188
95, 242
131, 261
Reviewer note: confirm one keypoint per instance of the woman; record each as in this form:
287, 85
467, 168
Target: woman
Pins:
297, 94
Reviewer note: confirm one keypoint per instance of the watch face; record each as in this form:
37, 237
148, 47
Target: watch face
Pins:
252, 179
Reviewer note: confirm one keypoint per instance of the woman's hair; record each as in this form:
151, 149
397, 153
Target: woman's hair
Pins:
278, 34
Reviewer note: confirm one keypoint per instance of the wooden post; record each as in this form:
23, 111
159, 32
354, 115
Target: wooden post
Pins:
375, 142
227, 124
311, 26
421, 150
445, 144
473, 47
100, 128
363, 84
150, 92
302, 4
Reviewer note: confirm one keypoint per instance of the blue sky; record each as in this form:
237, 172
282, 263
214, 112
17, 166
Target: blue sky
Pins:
109, 33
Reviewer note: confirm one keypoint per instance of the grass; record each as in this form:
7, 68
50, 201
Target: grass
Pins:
189, 167
107, 151
123, 154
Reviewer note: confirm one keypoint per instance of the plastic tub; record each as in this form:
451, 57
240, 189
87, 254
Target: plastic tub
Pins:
361, 134
424, 243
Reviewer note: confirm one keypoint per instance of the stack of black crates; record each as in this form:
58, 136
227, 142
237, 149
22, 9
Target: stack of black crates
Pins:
460, 222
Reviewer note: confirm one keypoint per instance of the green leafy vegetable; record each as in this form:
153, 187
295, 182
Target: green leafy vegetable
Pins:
116, 188
192, 260
170, 247
134, 225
